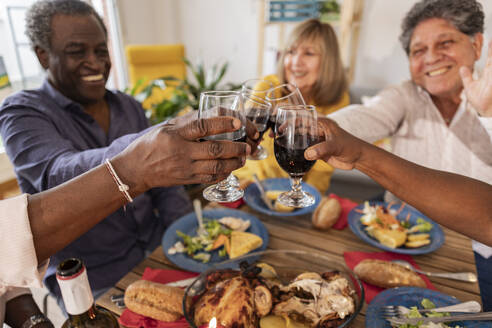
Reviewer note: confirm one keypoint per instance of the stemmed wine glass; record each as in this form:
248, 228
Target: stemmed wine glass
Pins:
223, 103
282, 95
295, 131
258, 88
258, 111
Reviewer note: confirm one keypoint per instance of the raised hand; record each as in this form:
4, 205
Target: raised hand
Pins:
170, 155
479, 92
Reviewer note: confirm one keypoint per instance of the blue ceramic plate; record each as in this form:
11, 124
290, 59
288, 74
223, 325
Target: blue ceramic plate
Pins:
188, 225
253, 199
436, 234
411, 296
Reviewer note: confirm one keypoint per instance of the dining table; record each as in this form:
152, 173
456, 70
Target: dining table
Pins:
297, 232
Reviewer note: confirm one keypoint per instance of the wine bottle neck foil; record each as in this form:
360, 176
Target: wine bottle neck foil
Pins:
76, 292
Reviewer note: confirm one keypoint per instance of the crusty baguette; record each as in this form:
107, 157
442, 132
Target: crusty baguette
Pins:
327, 213
155, 300
386, 274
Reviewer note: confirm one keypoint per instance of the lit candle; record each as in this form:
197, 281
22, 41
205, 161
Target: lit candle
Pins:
213, 323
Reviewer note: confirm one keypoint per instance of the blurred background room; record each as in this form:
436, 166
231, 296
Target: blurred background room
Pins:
218, 44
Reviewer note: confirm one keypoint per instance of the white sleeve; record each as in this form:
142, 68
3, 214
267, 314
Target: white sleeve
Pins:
18, 263
378, 118
487, 124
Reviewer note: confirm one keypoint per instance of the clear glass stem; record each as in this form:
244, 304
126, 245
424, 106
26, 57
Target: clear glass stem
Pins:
296, 184
226, 183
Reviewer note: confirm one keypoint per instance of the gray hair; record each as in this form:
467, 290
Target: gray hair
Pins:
40, 14
466, 15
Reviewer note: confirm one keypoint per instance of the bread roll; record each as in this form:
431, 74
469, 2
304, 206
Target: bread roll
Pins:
327, 213
387, 275
155, 300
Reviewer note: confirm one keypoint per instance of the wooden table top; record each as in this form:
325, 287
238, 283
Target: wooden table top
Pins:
297, 233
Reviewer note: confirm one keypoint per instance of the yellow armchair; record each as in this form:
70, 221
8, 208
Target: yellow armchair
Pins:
148, 62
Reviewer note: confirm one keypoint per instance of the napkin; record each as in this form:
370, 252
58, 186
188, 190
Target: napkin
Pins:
353, 258
235, 204
134, 320
347, 205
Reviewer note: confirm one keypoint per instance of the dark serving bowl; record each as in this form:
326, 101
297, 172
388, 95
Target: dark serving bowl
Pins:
288, 264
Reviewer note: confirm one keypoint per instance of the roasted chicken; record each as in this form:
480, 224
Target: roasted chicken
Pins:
320, 301
242, 298
239, 300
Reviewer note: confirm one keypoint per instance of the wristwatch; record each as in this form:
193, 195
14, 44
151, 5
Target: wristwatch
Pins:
36, 319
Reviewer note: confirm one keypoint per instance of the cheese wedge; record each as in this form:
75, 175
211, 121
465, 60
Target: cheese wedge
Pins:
273, 194
390, 238
282, 208
420, 236
417, 243
243, 242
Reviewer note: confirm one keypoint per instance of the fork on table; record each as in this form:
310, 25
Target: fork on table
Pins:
118, 300
400, 311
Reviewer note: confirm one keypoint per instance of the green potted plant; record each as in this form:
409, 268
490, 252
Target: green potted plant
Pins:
329, 11
184, 94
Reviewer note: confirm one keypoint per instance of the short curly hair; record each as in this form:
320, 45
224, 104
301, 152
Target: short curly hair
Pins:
466, 15
40, 14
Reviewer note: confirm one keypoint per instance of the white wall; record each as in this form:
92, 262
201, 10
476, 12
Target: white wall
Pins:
219, 30
213, 31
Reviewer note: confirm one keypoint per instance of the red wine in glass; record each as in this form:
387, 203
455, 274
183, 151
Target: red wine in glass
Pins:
291, 157
260, 121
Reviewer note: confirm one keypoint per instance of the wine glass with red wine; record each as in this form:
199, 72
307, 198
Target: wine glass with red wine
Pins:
223, 103
283, 95
258, 111
295, 131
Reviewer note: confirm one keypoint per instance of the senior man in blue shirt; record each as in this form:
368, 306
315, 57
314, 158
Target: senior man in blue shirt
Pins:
72, 124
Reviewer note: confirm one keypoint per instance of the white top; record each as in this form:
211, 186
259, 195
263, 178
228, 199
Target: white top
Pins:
419, 133
18, 263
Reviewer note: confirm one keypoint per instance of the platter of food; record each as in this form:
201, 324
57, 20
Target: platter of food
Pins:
397, 228
413, 297
275, 289
273, 187
229, 234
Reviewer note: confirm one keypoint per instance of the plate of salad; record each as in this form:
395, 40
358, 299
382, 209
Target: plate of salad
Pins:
395, 227
414, 298
229, 233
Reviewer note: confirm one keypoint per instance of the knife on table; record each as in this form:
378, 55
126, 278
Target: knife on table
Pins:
459, 317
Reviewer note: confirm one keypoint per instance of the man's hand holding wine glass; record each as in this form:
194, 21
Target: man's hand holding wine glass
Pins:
176, 158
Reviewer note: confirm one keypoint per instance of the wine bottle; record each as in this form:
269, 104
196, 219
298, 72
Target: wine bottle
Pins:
77, 296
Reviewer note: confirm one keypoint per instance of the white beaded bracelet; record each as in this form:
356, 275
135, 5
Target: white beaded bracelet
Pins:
121, 186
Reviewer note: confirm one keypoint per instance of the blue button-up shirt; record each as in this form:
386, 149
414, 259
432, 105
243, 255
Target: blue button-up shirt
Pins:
50, 139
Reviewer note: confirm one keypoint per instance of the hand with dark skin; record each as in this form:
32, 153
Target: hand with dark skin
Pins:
252, 134
457, 202
165, 156
168, 155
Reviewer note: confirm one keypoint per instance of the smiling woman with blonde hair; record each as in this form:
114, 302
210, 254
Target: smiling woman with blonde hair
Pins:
311, 60
327, 87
